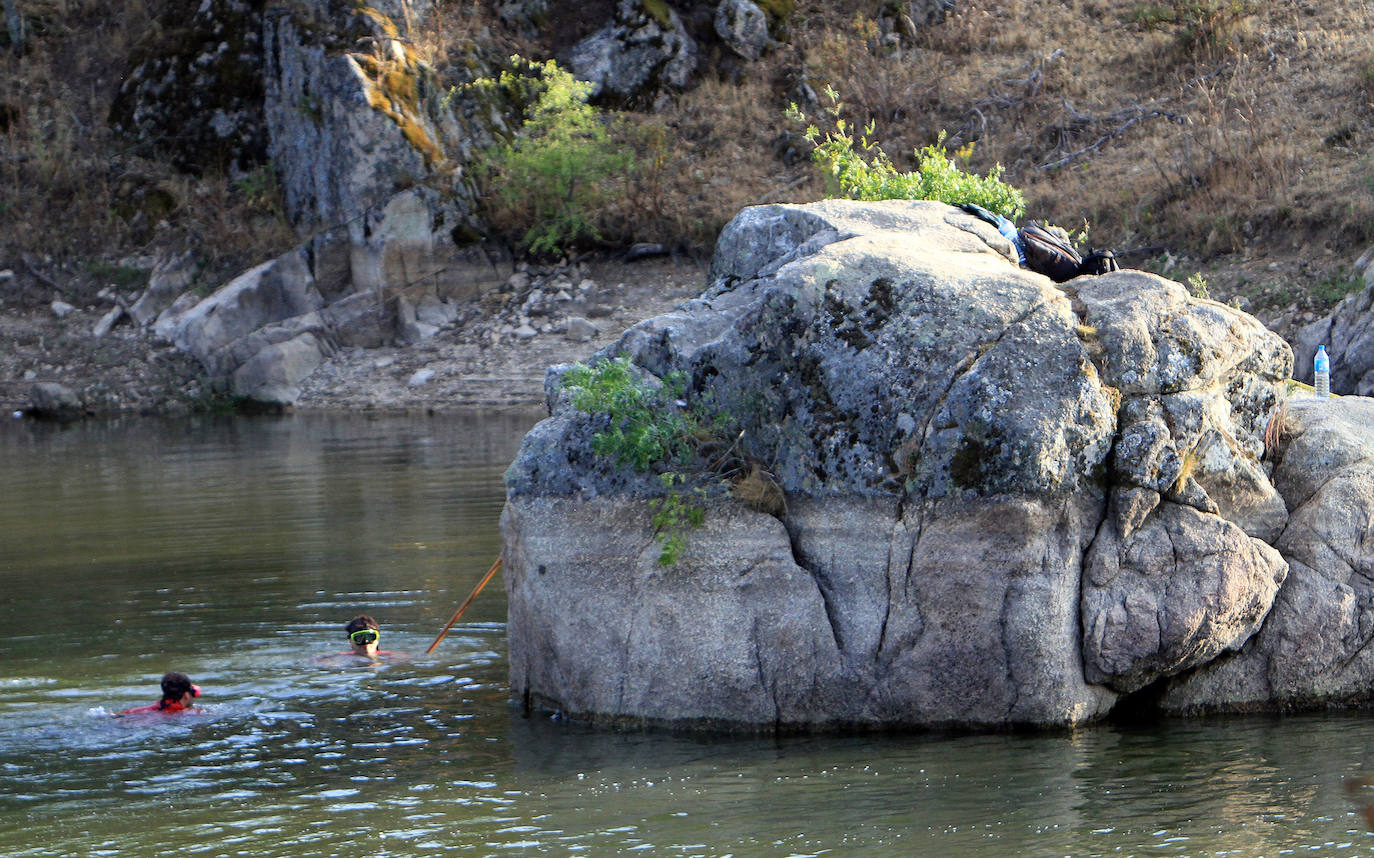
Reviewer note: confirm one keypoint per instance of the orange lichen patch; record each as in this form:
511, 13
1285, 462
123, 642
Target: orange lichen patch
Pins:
388, 26
391, 84
411, 126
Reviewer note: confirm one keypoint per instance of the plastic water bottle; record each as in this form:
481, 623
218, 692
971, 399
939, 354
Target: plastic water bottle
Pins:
1321, 372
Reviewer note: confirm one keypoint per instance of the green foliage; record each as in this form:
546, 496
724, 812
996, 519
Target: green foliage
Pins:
550, 180
1197, 286
647, 429
1330, 290
674, 515
866, 172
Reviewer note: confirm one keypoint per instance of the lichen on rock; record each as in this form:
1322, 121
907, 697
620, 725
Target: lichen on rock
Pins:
958, 508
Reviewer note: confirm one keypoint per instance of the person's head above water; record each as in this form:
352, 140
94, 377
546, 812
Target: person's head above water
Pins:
178, 695
363, 635
176, 686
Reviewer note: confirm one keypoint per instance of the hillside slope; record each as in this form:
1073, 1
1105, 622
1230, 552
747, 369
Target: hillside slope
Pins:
1220, 139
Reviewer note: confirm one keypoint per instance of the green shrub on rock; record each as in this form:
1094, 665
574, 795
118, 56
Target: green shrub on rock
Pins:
647, 430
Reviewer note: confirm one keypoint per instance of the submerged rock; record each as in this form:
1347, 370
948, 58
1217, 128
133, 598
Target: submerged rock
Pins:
978, 468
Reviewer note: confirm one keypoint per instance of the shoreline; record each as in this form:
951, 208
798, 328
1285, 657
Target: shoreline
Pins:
493, 357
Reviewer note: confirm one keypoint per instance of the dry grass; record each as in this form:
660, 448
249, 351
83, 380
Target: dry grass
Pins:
1232, 132
1207, 128
82, 199
761, 493
1275, 431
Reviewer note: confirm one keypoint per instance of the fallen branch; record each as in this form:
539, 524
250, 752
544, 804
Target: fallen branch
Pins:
1127, 118
32, 267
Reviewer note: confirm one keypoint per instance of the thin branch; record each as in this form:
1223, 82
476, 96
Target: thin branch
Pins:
1116, 132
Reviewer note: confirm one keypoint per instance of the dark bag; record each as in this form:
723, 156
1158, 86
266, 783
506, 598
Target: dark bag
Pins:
1099, 262
1049, 254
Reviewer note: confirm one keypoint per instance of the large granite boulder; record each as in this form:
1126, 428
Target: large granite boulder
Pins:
965, 541
1314, 649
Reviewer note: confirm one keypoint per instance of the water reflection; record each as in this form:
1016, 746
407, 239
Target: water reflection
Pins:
235, 550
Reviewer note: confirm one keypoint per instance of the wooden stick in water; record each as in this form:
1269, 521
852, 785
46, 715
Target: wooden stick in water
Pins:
476, 590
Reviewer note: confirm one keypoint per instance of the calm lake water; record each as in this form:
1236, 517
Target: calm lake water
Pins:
236, 549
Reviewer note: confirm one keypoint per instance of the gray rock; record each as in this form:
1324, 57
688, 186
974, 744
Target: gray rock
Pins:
409, 329
743, 26
1183, 588
1165, 352
170, 278
1315, 647
942, 425
433, 311
54, 401
61, 309
580, 330
270, 292
273, 374
640, 51
254, 334
359, 320
107, 322
344, 139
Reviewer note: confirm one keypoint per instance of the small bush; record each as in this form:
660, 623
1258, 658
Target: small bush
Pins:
549, 182
866, 173
1204, 25
1197, 286
647, 429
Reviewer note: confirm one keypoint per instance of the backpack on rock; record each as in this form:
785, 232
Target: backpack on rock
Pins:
1099, 262
1049, 252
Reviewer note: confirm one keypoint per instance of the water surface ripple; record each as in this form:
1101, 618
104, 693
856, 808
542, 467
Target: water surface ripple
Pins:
235, 549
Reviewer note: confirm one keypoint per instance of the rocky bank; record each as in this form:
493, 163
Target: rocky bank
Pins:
490, 351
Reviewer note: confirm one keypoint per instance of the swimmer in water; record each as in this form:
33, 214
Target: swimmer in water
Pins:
178, 694
364, 635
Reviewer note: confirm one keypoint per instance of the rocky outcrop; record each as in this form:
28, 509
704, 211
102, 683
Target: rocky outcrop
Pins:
259, 335
368, 149
645, 48
1314, 649
743, 27
195, 86
354, 116
1006, 503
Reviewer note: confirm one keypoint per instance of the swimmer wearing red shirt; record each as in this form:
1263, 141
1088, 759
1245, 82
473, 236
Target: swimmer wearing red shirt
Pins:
178, 692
